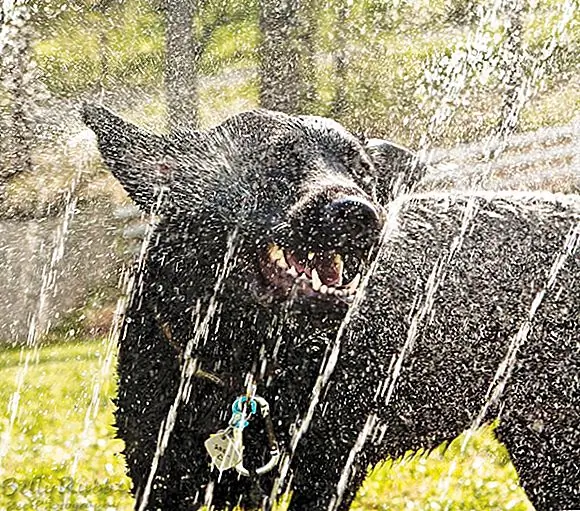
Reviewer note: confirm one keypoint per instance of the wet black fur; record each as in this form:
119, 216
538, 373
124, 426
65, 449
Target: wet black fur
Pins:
232, 189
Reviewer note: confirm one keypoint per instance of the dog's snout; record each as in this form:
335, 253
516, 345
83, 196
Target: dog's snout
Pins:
342, 222
353, 215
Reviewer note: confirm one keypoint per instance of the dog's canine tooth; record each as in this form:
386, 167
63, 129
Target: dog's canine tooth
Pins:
310, 256
340, 267
293, 272
275, 252
353, 284
282, 263
316, 282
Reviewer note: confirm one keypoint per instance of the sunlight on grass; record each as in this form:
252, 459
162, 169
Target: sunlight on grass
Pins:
482, 478
52, 427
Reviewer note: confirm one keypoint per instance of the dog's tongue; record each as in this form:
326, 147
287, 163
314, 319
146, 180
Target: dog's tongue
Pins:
329, 268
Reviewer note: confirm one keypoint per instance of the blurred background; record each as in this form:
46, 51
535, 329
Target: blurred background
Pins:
377, 66
487, 90
456, 79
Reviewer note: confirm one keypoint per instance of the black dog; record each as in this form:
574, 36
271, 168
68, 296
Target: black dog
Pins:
282, 272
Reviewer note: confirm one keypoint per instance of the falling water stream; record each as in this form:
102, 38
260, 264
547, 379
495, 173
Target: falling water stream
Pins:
37, 325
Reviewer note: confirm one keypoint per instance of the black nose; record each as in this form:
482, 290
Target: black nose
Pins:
352, 216
347, 222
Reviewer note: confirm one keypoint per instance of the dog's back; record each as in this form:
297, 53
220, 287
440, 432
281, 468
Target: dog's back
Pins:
476, 309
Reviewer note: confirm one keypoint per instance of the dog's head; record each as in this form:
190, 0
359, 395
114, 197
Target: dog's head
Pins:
305, 196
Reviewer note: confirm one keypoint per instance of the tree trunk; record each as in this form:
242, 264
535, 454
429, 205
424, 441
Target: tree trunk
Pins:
286, 60
102, 7
339, 103
182, 55
512, 68
17, 76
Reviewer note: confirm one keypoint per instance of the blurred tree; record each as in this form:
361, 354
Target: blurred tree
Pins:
103, 8
339, 56
512, 72
17, 79
286, 55
461, 12
189, 28
182, 55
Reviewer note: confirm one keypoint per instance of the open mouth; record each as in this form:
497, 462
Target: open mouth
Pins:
325, 275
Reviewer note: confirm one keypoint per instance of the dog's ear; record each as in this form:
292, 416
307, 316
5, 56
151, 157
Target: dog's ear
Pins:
398, 168
141, 161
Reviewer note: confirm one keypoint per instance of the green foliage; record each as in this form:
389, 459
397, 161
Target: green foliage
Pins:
401, 60
382, 98
61, 451
466, 475
232, 46
83, 51
219, 101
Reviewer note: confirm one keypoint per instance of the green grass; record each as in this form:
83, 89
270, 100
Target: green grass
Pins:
62, 447
59, 422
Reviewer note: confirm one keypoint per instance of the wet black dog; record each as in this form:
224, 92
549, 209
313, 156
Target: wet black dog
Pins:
282, 266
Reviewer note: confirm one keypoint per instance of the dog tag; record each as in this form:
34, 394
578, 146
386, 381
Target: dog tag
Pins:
225, 448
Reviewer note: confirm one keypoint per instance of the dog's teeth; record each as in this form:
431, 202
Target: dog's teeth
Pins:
339, 267
282, 263
324, 289
316, 282
340, 292
293, 272
354, 282
302, 278
310, 256
331, 290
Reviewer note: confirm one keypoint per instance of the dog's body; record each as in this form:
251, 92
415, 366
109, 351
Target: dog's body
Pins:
462, 285
498, 330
